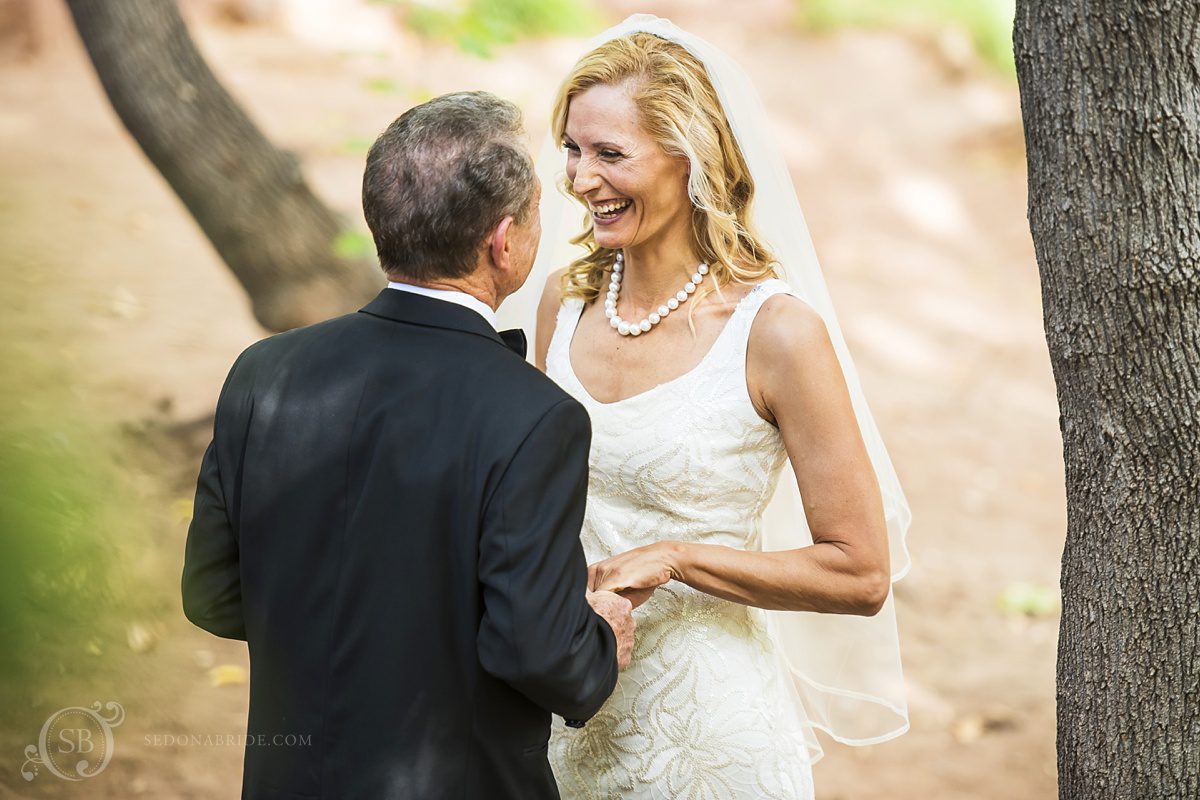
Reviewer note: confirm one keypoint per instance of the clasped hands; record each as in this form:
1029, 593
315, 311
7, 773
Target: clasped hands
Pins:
636, 573
620, 584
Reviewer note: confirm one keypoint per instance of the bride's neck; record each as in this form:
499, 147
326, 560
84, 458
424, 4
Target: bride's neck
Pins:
655, 271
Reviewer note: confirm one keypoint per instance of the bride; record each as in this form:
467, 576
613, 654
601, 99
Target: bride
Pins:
695, 328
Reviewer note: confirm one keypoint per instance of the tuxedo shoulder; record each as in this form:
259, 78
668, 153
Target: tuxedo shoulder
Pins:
275, 346
527, 387
297, 337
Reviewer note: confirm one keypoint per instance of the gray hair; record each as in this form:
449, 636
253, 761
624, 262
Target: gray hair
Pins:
440, 179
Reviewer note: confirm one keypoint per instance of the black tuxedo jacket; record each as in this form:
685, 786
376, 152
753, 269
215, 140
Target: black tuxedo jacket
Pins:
389, 516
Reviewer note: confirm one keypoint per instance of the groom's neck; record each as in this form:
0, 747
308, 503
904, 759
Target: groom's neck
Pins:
477, 285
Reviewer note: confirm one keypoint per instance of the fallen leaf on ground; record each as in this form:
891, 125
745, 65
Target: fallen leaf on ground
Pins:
141, 639
227, 675
181, 509
970, 728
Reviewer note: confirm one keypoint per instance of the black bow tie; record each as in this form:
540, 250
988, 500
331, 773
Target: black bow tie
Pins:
515, 339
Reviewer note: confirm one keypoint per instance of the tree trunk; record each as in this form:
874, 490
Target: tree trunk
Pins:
249, 198
1110, 94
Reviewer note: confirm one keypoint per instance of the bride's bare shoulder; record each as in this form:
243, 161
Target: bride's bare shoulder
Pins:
551, 296
546, 314
787, 324
552, 291
790, 360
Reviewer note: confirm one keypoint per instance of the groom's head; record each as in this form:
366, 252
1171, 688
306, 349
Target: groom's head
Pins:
450, 190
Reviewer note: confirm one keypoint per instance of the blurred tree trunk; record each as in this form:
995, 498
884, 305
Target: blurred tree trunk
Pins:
1110, 94
249, 198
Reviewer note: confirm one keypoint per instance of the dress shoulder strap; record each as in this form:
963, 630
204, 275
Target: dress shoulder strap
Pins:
743, 318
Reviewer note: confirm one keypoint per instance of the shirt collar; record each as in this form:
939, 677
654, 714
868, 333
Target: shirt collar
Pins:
451, 296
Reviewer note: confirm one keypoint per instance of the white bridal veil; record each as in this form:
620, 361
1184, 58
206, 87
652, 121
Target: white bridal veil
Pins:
846, 669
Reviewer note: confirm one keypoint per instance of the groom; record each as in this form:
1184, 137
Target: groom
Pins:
389, 511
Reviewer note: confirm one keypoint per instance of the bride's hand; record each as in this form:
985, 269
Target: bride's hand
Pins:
635, 574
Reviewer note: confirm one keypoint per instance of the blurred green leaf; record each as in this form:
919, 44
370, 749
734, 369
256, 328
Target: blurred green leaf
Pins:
383, 86
353, 245
356, 145
1029, 599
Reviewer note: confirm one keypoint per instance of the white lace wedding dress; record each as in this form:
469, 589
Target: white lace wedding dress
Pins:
703, 712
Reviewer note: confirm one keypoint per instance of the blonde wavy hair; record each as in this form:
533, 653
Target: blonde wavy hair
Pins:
680, 109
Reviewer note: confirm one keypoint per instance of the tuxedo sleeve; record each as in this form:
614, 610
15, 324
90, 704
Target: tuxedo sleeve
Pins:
538, 632
212, 588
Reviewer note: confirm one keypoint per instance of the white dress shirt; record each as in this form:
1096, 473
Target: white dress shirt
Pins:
451, 296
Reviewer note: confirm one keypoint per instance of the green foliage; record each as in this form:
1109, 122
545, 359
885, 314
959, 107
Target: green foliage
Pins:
353, 246
64, 592
383, 86
479, 26
989, 23
356, 146
75, 571
1028, 599
416, 93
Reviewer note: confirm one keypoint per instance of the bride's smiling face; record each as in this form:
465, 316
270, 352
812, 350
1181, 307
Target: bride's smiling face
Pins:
635, 191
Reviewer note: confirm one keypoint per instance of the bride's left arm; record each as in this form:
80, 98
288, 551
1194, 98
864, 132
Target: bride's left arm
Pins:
796, 383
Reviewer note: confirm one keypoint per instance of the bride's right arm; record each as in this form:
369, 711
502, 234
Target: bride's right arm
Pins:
546, 313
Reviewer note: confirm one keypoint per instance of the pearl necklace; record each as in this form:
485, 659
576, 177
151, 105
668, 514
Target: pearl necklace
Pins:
638, 328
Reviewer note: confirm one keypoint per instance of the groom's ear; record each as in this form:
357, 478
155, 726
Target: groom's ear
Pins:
500, 244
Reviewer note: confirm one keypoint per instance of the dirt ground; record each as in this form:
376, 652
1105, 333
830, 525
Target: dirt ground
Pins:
908, 159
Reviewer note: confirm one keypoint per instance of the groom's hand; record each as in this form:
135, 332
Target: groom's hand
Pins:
618, 613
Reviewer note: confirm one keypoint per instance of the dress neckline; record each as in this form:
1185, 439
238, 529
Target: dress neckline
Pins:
703, 360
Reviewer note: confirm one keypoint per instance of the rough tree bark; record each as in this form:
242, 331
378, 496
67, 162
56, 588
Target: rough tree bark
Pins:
1110, 93
249, 198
